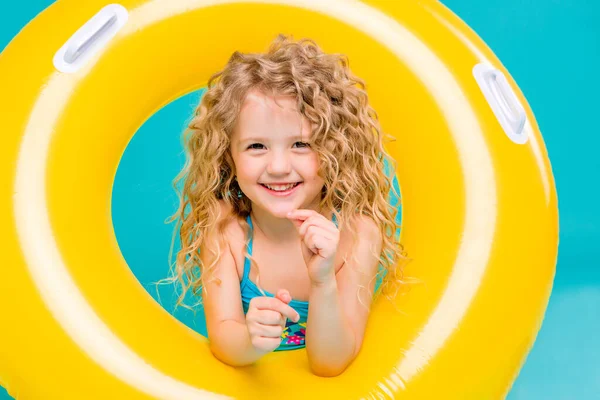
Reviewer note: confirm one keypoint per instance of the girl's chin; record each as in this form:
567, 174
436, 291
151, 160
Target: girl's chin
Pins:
282, 212
276, 210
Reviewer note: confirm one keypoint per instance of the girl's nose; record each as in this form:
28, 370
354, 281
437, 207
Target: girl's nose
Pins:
279, 164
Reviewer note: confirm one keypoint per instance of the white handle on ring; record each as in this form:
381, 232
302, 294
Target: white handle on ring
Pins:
90, 38
503, 101
79, 44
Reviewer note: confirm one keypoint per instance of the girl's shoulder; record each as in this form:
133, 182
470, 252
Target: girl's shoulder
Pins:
234, 236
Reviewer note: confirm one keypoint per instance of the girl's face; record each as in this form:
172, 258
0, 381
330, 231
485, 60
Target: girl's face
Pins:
276, 168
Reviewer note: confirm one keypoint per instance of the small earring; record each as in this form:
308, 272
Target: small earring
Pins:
239, 194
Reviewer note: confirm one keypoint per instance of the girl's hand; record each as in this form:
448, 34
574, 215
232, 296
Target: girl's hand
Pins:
266, 319
319, 240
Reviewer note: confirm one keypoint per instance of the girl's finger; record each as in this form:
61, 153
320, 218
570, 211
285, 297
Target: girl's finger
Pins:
269, 317
274, 304
284, 295
315, 221
266, 343
301, 214
311, 243
270, 331
317, 230
317, 241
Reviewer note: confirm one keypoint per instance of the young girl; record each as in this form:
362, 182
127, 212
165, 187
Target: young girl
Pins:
285, 212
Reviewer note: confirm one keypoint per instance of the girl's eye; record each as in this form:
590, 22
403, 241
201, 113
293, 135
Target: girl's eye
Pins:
256, 146
302, 144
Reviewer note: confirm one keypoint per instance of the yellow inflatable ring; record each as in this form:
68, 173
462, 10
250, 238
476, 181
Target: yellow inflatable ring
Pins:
480, 207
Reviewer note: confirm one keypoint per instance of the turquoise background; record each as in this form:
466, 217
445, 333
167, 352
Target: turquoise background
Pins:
551, 48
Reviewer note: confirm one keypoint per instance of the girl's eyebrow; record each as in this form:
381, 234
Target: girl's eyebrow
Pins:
264, 139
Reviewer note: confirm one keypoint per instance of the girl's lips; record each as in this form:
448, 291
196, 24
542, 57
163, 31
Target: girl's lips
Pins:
283, 193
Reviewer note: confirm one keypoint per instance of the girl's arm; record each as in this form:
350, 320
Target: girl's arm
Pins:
337, 318
228, 335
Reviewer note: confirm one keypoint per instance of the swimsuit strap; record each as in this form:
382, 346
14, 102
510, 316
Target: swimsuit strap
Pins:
249, 249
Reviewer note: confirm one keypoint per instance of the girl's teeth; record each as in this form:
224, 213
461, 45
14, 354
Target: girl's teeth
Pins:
281, 188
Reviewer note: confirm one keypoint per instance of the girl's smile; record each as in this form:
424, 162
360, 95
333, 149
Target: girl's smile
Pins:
281, 189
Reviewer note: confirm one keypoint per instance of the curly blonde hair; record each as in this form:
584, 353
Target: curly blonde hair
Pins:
346, 136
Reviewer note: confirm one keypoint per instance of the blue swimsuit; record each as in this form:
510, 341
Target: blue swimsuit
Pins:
294, 332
